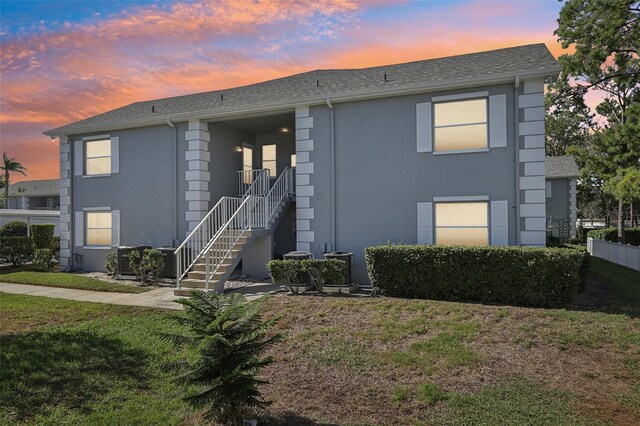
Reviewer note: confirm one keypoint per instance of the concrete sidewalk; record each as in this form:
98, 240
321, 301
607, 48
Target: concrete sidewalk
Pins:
161, 298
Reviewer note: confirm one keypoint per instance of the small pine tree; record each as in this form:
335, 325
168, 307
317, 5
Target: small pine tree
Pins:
230, 337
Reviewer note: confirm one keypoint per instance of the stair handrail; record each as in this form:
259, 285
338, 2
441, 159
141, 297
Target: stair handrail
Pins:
220, 247
192, 248
283, 187
259, 182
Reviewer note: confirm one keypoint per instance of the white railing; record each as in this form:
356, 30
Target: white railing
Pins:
266, 206
215, 236
188, 253
253, 182
221, 246
622, 254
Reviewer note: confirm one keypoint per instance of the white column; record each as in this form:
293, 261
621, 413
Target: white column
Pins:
65, 202
24, 202
532, 180
197, 174
573, 207
304, 179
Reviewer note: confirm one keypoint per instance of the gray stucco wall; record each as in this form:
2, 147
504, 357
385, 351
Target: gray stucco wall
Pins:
142, 190
225, 160
558, 204
380, 177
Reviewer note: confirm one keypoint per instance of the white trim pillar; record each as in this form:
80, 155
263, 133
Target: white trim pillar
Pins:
531, 182
65, 203
573, 207
197, 175
304, 179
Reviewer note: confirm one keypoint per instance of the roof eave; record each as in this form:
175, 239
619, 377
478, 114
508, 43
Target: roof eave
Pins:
281, 106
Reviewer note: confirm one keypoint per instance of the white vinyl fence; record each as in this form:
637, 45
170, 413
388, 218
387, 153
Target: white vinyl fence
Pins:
32, 217
622, 254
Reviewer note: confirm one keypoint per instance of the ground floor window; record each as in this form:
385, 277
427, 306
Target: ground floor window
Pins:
462, 223
99, 228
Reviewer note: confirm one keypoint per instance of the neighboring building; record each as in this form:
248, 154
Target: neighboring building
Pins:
441, 151
561, 175
35, 195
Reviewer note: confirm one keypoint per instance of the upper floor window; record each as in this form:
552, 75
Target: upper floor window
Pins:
462, 223
98, 157
269, 159
99, 228
460, 125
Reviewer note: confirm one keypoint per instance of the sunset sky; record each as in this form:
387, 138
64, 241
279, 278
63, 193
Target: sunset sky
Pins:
62, 61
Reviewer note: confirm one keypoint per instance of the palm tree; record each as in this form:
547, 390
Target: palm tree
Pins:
10, 165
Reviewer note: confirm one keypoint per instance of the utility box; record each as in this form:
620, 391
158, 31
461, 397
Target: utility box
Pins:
303, 277
169, 270
345, 257
123, 258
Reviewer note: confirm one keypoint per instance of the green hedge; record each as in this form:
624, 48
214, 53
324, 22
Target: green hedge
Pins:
14, 228
16, 250
320, 272
44, 259
542, 277
42, 236
631, 235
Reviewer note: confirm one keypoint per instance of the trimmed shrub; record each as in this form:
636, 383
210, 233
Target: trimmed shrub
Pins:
285, 272
42, 236
324, 271
16, 250
542, 277
43, 259
14, 228
147, 265
321, 271
631, 235
153, 262
56, 248
581, 234
111, 263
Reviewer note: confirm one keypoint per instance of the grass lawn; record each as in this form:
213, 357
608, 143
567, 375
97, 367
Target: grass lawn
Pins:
623, 286
343, 360
26, 275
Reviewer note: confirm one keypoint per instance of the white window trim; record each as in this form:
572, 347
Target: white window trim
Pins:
460, 97
461, 151
84, 230
461, 200
85, 158
96, 137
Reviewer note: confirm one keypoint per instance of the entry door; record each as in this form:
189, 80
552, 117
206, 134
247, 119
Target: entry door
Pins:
247, 164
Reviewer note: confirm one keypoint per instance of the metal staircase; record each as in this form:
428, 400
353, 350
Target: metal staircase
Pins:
211, 252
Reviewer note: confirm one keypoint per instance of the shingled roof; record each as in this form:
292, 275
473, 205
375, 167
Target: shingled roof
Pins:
561, 167
493, 66
35, 188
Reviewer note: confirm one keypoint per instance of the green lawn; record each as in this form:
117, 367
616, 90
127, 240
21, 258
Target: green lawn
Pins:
26, 275
343, 360
623, 283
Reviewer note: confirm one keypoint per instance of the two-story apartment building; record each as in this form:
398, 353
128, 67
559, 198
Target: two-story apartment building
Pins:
440, 151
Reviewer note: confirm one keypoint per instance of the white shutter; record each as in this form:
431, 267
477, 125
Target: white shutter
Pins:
425, 223
115, 228
497, 121
78, 158
79, 229
115, 154
499, 223
423, 127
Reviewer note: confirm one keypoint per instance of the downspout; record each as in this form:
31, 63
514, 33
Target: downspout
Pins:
516, 154
175, 181
332, 185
